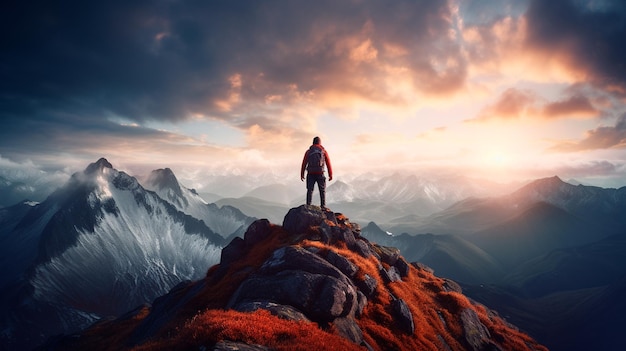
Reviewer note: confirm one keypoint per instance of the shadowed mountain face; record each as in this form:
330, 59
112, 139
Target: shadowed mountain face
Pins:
313, 283
452, 256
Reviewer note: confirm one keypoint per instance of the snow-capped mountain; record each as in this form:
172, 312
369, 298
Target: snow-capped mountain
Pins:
98, 246
224, 220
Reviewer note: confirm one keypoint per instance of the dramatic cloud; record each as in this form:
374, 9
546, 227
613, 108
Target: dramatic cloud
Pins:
573, 106
513, 103
246, 85
586, 35
172, 60
516, 104
599, 138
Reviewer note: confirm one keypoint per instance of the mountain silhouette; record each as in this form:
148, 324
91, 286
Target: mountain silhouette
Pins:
312, 283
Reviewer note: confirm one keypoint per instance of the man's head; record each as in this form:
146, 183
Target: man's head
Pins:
317, 140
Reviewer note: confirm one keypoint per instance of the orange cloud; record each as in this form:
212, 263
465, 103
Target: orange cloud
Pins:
572, 107
512, 104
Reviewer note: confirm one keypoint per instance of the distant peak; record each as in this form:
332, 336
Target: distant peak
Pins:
549, 181
164, 178
98, 166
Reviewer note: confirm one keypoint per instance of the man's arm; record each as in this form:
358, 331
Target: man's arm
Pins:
303, 167
329, 166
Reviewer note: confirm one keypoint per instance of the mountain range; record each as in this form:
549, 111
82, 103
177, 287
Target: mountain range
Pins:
548, 256
368, 197
100, 245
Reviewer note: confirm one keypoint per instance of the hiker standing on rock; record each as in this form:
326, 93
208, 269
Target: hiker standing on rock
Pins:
315, 158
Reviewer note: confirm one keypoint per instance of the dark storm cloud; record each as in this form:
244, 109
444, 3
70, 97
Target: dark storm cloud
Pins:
166, 60
37, 138
589, 33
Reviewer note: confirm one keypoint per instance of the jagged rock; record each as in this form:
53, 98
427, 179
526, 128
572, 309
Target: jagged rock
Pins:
321, 297
476, 334
362, 248
258, 231
326, 233
451, 285
390, 275
343, 264
345, 235
361, 302
227, 345
422, 267
349, 329
234, 250
403, 315
330, 215
402, 267
388, 255
368, 285
282, 311
300, 259
298, 220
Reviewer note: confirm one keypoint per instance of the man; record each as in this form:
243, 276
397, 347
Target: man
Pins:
315, 158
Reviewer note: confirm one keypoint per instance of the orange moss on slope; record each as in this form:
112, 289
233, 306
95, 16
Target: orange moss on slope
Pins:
436, 312
259, 327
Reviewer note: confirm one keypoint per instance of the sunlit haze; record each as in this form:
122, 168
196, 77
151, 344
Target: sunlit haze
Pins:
499, 90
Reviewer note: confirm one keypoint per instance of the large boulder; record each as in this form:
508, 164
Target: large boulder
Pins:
403, 316
258, 231
299, 219
320, 297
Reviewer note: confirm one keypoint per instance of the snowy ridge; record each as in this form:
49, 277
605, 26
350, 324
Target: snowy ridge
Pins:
142, 251
225, 220
98, 246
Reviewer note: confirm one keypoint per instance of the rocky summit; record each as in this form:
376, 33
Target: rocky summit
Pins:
312, 283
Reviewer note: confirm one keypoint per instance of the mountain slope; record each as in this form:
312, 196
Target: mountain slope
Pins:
311, 284
96, 247
451, 256
588, 266
541, 228
224, 220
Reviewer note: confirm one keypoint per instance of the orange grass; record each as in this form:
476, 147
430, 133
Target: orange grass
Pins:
435, 311
259, 327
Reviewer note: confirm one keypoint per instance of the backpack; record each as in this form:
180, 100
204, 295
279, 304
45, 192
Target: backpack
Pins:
315, 160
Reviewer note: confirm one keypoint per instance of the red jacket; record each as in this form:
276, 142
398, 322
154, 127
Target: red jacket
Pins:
326, 161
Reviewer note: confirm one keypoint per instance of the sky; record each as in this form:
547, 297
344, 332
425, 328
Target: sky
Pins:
502, 90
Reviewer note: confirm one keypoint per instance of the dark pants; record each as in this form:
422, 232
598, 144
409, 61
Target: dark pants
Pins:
320, 179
